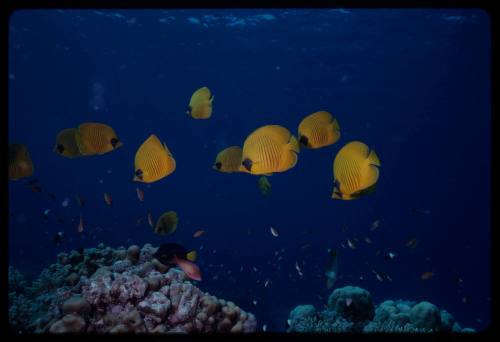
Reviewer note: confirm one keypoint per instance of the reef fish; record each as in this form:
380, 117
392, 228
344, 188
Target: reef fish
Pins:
167, 223
108, 199
229, 160
390, 256
140, 194
200, 104
46, 214
150, 219
20, 163
190, 268
318, 129
355, 171
175, 254
264, 186
96, 138
66, 145
80, 224
153, 161
421, 211
351, 244
412, 243
198, 233
375, 225
270, 149
298, 268
426, 275
166, 251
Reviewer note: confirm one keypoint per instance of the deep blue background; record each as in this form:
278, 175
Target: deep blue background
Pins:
412, 84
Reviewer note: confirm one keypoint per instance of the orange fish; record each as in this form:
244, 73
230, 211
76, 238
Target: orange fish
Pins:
140, 194
191, 269
108, 199
80, 225
150, 220
427, 275
198, 233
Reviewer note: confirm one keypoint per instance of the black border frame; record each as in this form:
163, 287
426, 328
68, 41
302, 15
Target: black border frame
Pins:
7, 7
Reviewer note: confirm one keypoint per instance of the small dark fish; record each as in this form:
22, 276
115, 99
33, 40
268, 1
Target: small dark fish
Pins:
421, 211
57, 238
60, 220
465, 300
139, 220
379, 277
305, 246
390, 256
427, 275
412, 243
375, 225
46, 214
52, 196
80, 250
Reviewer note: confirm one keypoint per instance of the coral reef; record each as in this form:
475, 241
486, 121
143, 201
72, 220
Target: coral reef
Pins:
350, 309
108, 290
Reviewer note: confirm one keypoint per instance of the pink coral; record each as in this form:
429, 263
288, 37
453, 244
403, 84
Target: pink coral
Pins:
97, 290
126, 287
126, 297
156, 303
185, 298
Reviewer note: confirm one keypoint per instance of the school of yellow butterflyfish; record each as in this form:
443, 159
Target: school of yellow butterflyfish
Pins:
268, 149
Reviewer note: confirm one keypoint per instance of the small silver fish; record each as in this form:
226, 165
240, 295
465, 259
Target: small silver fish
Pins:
375, 225
264, 327
65, 203
266, 283
351, 244
274, 232
378, 276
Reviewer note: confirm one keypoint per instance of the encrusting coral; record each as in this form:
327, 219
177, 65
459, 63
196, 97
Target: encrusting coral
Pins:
108, 290
350, 309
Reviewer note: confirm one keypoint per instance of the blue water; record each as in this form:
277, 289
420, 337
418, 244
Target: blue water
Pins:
414, 85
